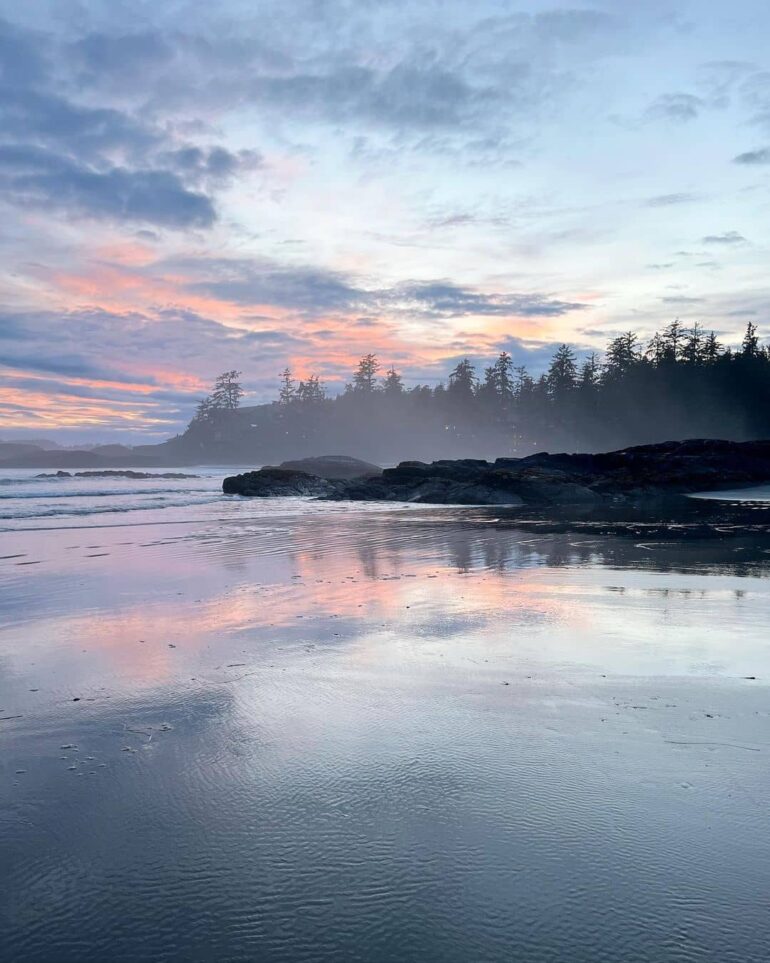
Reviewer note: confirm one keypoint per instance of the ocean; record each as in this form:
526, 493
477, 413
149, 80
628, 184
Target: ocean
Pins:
300, 731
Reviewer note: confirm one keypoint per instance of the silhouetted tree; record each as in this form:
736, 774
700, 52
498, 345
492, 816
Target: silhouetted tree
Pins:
311, 392
392, 384
288, 391
673, 339
750, 343
562, 372
365, 375
656, 349
622, 354
462, 381
590, 372
203, 410
227, 392
711, 348
500, 377
692, 349
684, 384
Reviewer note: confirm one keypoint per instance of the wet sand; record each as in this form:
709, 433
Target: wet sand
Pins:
392, 735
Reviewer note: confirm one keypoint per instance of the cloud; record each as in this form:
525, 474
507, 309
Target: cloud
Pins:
22, 60
392, 67
256, 281
574, 26
755, 92
47, 119
452, 218
73, 154
444, 299
760, 156
314, 290
408, 95
729, 237
668, 200
99, 54
380, 133
676, 107
214, 166
459, 219
133, 357
35, 176
718, 79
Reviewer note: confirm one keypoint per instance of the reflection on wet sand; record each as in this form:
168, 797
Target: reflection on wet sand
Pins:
185, 588
400, 735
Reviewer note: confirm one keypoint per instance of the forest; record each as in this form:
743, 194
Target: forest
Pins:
681, 383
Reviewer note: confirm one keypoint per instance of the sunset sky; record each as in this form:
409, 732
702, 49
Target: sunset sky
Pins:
188, 187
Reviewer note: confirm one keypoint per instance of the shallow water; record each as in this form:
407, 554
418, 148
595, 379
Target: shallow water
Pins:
292, 731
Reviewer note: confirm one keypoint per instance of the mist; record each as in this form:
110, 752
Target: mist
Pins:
681, 384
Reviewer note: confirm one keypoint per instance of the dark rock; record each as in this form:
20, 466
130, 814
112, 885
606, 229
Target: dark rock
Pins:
333, 467
115, 473
643, 474
276, 482
127, 473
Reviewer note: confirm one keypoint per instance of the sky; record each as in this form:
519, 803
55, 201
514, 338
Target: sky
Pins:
189, 187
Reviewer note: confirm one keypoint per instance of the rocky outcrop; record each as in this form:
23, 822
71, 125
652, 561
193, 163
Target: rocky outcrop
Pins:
643, 473
276, 483
334, 467
115, 473
127, 473
472, 482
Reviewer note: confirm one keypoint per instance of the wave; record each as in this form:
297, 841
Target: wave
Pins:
112, 493
23, 481
79, 511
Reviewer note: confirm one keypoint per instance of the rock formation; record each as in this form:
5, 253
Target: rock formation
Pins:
631, 474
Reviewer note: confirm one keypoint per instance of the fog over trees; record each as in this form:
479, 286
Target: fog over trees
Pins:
682, 383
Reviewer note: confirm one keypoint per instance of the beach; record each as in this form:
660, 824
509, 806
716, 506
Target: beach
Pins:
290, 730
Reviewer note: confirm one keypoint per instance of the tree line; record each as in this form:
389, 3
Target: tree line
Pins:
681, 383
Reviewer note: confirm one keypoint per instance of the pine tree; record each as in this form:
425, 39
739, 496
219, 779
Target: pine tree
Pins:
311, 392
686, 382
523, 384
462, 380
562, 373
489, 385
365, 375
711, 348
227, 392
621, 355
673, 339
589, 373
656, 349
288, 392
203, 411
692, 349
392, 384
502, 376
750, 343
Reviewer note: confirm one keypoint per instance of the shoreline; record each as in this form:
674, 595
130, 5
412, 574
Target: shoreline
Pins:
314, 691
